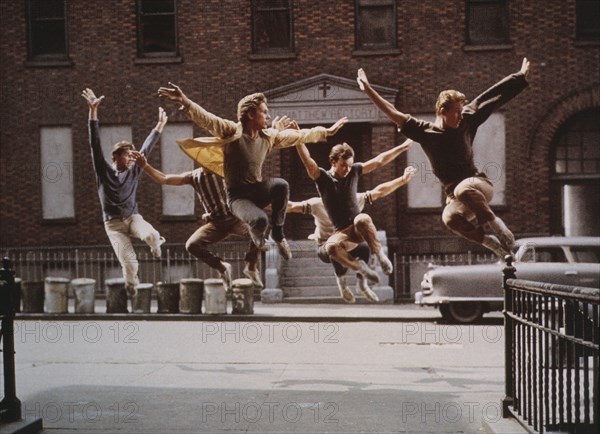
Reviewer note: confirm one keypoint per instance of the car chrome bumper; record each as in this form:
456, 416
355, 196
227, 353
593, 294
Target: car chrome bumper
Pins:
429, 300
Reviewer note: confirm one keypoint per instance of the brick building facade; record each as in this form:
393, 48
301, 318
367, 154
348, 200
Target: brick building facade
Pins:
217, 54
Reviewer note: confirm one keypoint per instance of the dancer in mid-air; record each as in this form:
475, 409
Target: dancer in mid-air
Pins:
219, 223
117, 184
448, 144
237, 152
338, 188
324, 229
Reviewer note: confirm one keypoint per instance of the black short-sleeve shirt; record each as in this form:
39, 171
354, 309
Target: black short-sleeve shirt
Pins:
339, 195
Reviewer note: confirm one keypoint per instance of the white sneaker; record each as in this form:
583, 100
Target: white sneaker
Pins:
386, 265
226, 276
367, 272
284, 249
155, 250
504, 234
345, 292
491, 242
363, 287
254, 276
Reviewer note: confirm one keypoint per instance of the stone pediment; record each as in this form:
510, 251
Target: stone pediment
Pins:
325, 98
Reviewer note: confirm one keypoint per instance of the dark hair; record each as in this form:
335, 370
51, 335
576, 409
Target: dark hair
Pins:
340, 151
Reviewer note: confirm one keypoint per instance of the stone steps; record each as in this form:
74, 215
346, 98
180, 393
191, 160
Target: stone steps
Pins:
306, 279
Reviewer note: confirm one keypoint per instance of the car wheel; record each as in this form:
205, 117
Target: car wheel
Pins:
463, 312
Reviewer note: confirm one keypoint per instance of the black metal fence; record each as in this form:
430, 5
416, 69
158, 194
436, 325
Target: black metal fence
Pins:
100, 263
551, 355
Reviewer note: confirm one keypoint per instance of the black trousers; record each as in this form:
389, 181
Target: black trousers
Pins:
247, 202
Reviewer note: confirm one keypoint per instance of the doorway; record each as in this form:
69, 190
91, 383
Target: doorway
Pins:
357, 135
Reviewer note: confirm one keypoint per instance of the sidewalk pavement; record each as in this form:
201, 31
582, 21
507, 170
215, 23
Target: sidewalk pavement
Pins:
291, 368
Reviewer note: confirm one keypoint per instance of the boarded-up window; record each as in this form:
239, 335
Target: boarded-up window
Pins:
56, 149
176, 200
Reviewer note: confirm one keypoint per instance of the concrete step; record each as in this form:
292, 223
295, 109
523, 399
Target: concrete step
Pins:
314, 280
310, 291
301, 263
311, 269
324, 300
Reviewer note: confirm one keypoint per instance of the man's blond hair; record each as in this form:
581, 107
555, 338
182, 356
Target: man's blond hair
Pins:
249, 104
447, 97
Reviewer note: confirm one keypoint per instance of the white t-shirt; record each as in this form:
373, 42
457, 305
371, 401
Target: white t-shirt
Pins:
323, 226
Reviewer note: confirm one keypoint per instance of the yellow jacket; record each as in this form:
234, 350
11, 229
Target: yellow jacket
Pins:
208, 151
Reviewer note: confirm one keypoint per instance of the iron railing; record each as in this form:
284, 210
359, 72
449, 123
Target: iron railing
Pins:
100, 263
551, 355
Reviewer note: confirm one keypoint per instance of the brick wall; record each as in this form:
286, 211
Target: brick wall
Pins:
216, 71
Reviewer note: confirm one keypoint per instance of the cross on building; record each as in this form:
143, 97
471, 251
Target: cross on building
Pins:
324, 87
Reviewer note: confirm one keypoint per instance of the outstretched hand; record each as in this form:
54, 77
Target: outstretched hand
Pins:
336, 127
284, 123
139, 158
525, 67
174, 93
281, 123
90, 97
362, 79
409, 172
162, 119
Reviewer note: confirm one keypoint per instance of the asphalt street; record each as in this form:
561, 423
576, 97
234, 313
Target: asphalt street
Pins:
277, 372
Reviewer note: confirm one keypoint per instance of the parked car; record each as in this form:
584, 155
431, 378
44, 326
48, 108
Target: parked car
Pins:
464, 293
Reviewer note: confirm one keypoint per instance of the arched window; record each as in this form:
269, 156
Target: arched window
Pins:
577, 149
575, 196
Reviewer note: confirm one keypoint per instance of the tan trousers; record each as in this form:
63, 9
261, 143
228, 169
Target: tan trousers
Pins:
467, 208
119, 233
343, 241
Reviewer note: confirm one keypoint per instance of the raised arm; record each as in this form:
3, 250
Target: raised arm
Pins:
93, 103
385, 157
382, 104
217, 126
157, 175
386, 188
154, 135
162, 120
292, 136
499, 94
311, 166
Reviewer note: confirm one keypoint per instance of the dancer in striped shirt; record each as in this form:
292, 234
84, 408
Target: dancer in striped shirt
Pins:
219, 224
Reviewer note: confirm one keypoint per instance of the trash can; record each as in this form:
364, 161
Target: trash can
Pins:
168, 297
215, 299
142, 300
84, 290
116, 295
191, 292
243, 296
16, 295
32, 292
55, 292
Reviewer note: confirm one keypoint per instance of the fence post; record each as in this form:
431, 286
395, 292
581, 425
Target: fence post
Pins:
10, 406
508, 400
